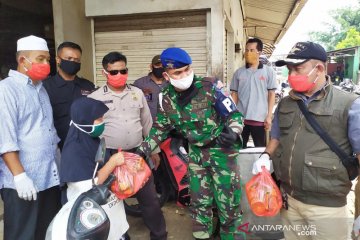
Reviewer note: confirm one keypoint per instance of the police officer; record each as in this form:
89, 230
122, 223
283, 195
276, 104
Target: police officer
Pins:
66, 86
127, 122
152, 84
196, 108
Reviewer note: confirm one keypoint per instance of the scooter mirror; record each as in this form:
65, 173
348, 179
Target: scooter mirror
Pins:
100, 154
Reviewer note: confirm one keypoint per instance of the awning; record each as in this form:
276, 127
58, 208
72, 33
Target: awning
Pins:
269, 19
345, 52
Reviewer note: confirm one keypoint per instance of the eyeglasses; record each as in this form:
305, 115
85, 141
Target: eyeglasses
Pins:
116, 72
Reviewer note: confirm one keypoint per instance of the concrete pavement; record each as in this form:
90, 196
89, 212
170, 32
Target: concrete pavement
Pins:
178, 224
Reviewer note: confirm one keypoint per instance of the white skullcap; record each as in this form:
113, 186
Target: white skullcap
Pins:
32, 43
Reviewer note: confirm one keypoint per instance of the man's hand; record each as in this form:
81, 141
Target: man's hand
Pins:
145, 157
140, 153
264, 160
227, 137
156, 160
356, 227
267, 122
25, 187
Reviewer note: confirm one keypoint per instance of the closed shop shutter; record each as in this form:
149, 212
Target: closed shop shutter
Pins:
140, 45
225, 57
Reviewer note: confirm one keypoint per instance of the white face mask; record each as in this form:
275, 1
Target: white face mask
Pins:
183, 83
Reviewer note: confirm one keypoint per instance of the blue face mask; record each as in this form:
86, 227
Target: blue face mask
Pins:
96, 130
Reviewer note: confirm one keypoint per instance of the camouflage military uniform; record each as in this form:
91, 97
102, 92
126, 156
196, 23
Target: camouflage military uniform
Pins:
214, 172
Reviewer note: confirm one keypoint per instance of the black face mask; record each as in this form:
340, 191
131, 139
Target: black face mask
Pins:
70, 67
158, 72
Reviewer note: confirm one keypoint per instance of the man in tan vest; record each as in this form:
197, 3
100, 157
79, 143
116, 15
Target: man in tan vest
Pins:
313, 178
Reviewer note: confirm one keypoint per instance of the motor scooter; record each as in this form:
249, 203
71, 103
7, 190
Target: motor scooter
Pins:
88, 215
347, 85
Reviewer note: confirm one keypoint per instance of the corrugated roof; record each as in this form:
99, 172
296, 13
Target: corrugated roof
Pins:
269, 19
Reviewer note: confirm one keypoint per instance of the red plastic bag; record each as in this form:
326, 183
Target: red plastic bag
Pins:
263, 194
131, 176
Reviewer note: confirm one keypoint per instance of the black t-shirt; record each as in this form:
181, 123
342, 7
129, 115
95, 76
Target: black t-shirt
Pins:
62, 93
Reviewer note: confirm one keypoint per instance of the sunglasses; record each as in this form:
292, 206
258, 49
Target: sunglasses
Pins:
116, 72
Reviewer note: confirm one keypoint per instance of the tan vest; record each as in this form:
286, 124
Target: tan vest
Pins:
309, 171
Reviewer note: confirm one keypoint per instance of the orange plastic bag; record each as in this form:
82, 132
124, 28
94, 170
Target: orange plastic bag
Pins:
263, 194
131, 176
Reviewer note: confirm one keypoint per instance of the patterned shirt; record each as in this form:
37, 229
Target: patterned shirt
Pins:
27, 126
197, 121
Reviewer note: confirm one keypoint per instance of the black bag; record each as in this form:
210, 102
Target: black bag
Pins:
351, 163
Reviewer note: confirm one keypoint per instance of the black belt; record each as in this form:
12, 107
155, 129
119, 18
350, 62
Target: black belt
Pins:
113, 151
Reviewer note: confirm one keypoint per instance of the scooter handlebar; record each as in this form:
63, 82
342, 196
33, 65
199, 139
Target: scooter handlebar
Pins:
100, 193
109, 181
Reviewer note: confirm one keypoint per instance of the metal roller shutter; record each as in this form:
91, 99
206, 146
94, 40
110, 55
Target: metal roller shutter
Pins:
140, 45
225, 64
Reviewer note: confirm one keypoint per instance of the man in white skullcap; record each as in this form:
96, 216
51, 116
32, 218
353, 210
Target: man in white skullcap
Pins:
29, 181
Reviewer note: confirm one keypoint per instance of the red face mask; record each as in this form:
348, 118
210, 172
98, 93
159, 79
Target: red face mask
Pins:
300, 83
116, 81
38, 71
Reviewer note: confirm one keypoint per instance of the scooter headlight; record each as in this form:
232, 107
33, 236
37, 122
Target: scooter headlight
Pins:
87, 219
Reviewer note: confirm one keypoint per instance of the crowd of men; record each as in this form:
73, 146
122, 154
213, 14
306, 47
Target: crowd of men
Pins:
38, 113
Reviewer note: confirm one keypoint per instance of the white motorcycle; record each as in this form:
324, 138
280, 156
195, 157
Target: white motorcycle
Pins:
94, 213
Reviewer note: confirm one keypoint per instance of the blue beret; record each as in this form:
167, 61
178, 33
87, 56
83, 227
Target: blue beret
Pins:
175, 58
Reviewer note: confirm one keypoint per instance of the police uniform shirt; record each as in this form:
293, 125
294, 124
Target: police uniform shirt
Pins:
128, 119
62, 93
151, 91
